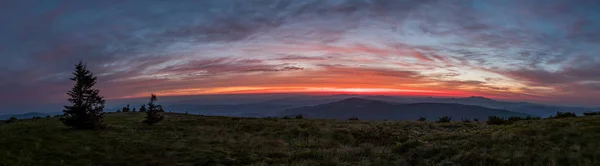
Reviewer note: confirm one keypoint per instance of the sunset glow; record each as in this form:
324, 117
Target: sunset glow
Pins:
514, 50
309, 90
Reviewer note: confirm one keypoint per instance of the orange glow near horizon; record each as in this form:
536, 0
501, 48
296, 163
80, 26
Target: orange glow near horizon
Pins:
310, 90
331, 80
339, 79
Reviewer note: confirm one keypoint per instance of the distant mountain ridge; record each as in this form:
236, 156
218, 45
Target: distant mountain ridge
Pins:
522, 107
379, 110
273, 105
241, 110
29, 115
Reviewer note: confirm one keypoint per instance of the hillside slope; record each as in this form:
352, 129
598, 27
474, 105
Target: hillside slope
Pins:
380, 110
541, 110
198, 140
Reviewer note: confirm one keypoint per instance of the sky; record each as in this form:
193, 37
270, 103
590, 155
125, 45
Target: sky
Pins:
544, 51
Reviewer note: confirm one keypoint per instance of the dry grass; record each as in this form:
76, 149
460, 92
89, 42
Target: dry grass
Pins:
197, 140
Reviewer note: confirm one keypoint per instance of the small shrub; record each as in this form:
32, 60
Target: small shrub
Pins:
444, 119
422, 119
353, 118
36, 118
475, 120
531, 118
495, 120
514, 119
143, 108
126, 108
11, 120
286, 117
299, 117
591, 113
466, 120
47, 116
564, 115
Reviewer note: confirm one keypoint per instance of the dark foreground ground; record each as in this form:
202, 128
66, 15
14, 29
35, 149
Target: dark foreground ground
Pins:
198, 140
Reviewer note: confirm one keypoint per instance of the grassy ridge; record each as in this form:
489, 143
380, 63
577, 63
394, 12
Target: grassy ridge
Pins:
198, 140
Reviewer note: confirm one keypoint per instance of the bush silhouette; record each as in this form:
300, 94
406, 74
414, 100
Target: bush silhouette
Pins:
466, 120
126, 108
353, 118
475, 120
299, 117
564, 115
514, 119
591, 113
444, 119
143, 108
286, 117
152, 114
11, 120
87, 109
495, 120
422, 119
531, 118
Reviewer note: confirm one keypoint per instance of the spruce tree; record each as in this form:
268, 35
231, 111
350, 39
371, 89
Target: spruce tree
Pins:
143, 108
152, 113
87, 109
126, 108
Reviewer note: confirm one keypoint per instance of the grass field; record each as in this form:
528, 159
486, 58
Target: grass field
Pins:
198, 140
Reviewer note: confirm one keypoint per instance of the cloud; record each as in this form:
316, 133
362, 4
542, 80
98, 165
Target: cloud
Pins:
576, 73
284, 57
524, 50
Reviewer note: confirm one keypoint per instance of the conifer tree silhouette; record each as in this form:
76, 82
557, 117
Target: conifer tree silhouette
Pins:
87, 109
143, 108
126, 108
152, 113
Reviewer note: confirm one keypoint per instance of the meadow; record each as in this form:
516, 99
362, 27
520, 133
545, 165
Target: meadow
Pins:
182, 139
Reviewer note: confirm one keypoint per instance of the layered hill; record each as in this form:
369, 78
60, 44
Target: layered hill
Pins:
381, 110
